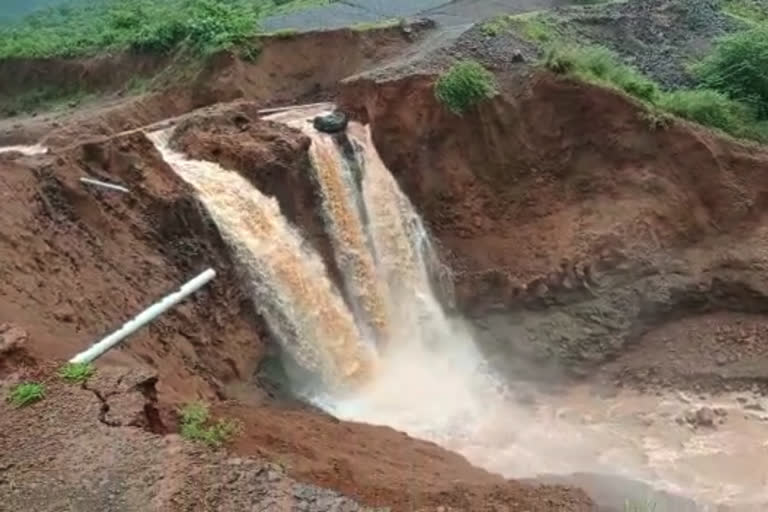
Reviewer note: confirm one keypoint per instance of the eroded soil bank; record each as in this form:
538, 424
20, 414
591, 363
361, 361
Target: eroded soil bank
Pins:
587, 244
574, 227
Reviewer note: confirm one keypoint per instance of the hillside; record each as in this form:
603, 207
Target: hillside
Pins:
497, 256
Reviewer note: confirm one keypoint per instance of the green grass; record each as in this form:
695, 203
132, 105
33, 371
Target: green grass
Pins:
76, 372
600, 65
704, 106
201, 26
464, 85
26, 393
197, 425
537, 27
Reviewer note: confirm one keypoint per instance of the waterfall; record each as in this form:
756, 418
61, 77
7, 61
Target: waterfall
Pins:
290, 286
391, 355
380, 246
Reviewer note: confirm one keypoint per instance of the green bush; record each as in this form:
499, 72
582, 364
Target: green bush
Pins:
196, 425
737, 67
143, 25
465, 84
601, 65
26, 393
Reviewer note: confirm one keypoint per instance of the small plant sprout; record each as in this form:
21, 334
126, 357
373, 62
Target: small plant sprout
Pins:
76, 372
26, 393
196, 425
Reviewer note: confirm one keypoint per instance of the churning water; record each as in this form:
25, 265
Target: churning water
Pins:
390, 355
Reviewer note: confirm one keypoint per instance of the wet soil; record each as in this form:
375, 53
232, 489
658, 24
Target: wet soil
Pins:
582, 238
571, 224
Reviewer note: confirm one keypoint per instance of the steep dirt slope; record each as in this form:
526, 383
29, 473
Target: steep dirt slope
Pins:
79, 261
575, 222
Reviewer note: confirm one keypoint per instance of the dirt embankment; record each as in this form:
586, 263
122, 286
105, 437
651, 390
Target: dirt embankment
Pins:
84, 260
287, 69
576, 222
78, 261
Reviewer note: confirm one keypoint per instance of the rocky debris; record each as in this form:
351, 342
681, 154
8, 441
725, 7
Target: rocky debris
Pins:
704, 417
331, 123
660, 37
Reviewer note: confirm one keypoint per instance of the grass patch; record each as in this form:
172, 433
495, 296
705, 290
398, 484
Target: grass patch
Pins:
544, 27
600, 65
715, 109
202, 26
77, 372
26, 393
705, 106
464, 85
197, 425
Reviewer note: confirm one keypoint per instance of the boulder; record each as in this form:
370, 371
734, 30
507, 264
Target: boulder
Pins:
331, 123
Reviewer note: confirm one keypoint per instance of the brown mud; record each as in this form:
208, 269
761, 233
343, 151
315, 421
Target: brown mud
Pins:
582, 235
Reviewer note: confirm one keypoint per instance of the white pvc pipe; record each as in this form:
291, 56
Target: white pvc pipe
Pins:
104, 184
143, 318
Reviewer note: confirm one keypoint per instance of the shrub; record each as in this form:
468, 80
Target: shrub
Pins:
737, 67
712, 108
26, 393
465, 84
601, 65
83, 28
196, 425
76, 372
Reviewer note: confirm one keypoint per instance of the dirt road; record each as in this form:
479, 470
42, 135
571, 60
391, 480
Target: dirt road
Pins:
445, 12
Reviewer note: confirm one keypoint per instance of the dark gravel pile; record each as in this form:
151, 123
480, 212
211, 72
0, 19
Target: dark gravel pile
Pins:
659, 37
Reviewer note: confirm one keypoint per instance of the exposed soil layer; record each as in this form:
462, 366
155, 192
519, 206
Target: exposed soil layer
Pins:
303, 67
79, 261
99, 455
379, 466
573, 225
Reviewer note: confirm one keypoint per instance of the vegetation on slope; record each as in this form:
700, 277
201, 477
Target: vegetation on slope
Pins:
196, 425
705, 106
465, 84
26, 393
203, 26
729, 90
